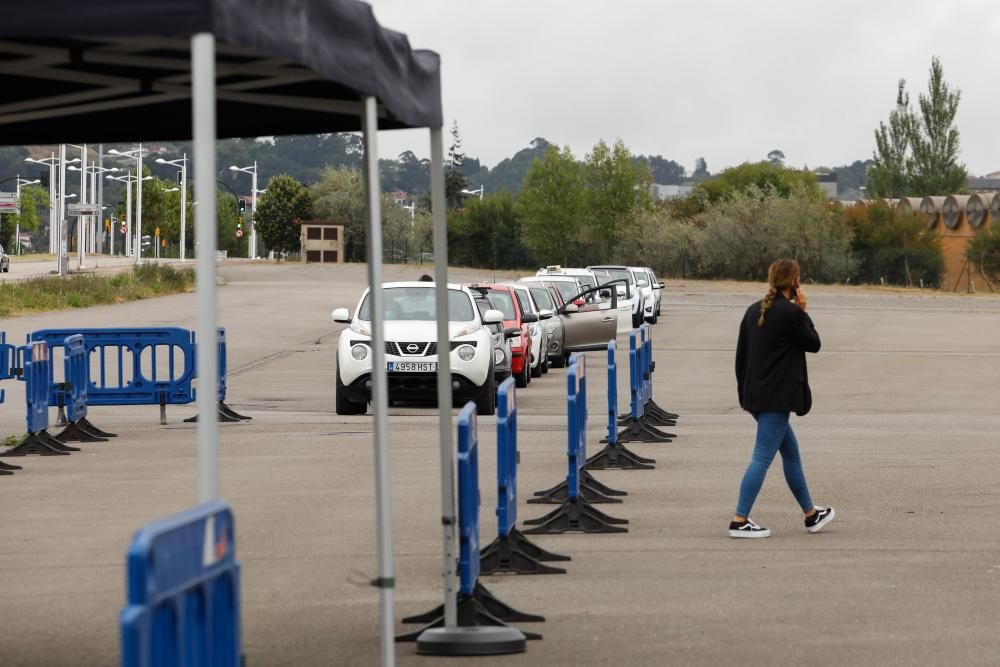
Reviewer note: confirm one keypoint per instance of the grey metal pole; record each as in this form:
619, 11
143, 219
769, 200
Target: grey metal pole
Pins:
444, 395
100, 197
184, 191
138, 192
61, 249
380, 394
128, 215
203, 122
17, 228
81, 220
52, 203
253, 212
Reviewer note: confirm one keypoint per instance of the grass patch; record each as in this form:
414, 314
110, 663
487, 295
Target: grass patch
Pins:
82, 291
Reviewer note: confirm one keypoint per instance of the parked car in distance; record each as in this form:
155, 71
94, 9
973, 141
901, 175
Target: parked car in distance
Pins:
411, 353
657, 287
539, 334
506, 302
547, 298
586, 326
585, 277
629, 312
501, 339
4, 261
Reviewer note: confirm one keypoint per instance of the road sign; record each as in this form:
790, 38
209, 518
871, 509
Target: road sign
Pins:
9, 203
82, 209
239, 233
123, 229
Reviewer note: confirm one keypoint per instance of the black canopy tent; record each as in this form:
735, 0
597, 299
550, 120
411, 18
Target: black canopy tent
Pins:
122, 70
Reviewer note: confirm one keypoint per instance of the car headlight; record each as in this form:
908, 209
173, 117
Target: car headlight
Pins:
465, 331
466, 352
533, 328
497, 356
359, 352
357, 327
515, 341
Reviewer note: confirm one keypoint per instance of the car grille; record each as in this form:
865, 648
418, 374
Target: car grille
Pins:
398, 348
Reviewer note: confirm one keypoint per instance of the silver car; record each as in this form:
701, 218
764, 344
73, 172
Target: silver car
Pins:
4, 261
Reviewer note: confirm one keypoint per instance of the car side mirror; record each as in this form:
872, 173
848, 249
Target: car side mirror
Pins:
545, 314
512, 332
660, 285
571, 308
529, 318
492, 316
579, 302
620, 289
341, 315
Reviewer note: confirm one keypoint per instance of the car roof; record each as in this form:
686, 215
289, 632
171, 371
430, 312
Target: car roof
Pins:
607, 266
547, 278
421, 283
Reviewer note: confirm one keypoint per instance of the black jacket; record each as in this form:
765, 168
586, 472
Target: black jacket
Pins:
771, 360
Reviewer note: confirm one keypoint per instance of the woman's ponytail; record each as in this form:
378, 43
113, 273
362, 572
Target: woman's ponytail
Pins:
766, 303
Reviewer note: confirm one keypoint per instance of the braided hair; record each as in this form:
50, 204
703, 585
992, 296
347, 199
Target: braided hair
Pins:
782, 274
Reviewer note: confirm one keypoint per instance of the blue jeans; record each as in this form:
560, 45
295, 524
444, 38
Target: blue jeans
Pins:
774, 434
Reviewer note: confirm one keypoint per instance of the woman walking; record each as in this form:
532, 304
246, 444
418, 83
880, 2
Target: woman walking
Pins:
772, 381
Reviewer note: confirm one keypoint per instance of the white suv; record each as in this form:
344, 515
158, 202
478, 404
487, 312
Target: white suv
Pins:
411, 348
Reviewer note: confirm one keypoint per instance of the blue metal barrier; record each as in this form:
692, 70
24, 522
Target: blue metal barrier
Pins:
468, 499
575, 512
475, 605
612, 393
506, 458
75, 362
8, 354
120, 378
183, 604
635, 375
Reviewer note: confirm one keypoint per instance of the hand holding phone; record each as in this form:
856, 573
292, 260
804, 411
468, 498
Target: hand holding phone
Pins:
799, 296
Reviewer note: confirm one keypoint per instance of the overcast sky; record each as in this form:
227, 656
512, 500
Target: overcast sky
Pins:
724, 80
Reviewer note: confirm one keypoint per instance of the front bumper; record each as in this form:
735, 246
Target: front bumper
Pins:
416, 386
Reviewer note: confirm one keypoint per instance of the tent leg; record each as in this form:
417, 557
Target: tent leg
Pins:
380, 390
203, 124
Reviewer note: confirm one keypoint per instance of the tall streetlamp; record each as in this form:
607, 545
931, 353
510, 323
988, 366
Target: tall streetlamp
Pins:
182, 163
252, 245
478, 191
128, 180
136, 153
17, 232
93, 170
55, 191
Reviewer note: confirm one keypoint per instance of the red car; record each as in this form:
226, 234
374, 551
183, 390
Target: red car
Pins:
505, 301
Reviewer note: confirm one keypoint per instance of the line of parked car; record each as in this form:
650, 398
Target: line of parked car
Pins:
496, 330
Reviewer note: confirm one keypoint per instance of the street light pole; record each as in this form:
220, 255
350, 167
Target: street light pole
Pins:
80, 220
182, 162
61, 249
252, 242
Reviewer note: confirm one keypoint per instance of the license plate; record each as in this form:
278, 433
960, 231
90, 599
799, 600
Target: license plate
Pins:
412, 366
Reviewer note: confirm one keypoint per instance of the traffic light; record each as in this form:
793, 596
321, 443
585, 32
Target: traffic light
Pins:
243, 206
179, 179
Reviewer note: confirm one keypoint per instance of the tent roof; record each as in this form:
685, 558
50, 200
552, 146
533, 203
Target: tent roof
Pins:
119, 70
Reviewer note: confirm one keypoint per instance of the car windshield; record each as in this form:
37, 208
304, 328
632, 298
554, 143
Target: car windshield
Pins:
606, 275
417, 303
586, 280
503, 302
542, 298
566, 288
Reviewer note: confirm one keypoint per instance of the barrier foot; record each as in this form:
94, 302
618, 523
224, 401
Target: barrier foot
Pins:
6, 472
473, 617
653, 407
590, 490
618, 457
96, 431
482, 602
637, 431
56, 444
33, 443
504, 555
61, 416
533, 550
226, 417
476, 640
76, 432
656, 420
9, 468
574, 516
229, 412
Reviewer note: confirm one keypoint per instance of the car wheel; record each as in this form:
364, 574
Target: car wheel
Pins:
536, 372
636, 321
558, 361
486, 401
522, 378
544, 365
346, 406
653, 319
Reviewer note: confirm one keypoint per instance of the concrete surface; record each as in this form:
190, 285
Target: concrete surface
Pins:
901, 442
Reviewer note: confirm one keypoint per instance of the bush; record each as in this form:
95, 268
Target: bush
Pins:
899, 249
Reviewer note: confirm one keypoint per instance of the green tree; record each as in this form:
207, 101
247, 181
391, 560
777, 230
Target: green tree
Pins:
340, 195
454, 179
762, 176
285, 201
984, 251
889, 176
935, 168
487, 233
700, 172
32, 198
776, 157
617, 193
899, 249
551, 206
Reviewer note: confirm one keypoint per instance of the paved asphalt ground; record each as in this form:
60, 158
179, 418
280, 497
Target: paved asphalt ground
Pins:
902, 441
